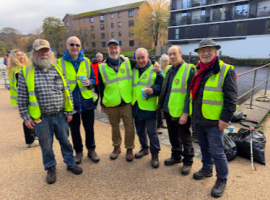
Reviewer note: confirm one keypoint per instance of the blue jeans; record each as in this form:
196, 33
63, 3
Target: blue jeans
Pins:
212, 148
150, 127
49, 125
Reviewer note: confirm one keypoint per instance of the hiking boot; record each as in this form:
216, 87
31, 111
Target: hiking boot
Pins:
154, 161
219, 187
185, 170
142, 152
93, 156
78, 157
163, 126
159, 130
115, 153
171, 161
129, 156
51, 178
35, 143
76, 170
203, 173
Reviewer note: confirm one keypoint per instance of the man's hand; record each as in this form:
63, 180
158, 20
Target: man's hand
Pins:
222, 125
156, 67
183, 119
103, 109
30, 124
69, 118
149, 91
86, 82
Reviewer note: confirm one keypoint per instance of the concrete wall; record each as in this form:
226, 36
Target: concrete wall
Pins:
251, 47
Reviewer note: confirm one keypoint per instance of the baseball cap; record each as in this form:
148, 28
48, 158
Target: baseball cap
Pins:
112, 41
207, 43
40, 44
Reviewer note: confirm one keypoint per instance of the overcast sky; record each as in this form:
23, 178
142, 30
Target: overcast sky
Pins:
28, 15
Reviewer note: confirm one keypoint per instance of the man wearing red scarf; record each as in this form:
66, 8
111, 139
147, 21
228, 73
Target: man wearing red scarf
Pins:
213, 93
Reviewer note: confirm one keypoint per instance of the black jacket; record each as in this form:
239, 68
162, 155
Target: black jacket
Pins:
230, 97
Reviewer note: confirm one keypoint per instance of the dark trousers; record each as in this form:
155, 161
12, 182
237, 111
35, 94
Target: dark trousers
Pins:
88, 118
97, 92
159, 119
180, 138
29, 134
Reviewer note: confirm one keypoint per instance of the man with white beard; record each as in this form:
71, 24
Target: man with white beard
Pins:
45, 104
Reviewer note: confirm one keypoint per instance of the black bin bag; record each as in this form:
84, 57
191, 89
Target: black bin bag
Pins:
242, 142
230, 147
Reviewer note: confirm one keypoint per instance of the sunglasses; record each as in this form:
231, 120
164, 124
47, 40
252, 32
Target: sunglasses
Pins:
72, 45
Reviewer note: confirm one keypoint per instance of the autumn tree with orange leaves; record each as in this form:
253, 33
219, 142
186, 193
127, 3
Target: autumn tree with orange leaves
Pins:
152, 21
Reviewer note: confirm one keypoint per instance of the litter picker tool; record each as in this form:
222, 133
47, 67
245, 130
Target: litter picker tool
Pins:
251, 149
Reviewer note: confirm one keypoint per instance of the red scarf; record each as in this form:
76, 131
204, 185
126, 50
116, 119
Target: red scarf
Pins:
195, 82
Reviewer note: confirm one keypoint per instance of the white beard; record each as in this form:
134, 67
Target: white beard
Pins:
41, 62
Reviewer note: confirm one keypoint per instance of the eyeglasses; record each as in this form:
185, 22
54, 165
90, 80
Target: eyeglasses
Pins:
72, 45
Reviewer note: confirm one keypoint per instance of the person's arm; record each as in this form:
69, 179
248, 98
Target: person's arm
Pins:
92, 79
158, 84
101, 88
22, 98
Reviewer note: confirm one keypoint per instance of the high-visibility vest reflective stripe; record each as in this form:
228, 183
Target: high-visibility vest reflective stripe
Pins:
117, 85
146, 80
13, 86
178, 91
166, 69
33, 107
213, 96
74, 78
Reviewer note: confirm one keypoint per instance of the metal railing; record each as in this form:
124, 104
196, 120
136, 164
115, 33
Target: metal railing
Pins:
254, 80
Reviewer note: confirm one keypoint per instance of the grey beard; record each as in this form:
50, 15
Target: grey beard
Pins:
42, 63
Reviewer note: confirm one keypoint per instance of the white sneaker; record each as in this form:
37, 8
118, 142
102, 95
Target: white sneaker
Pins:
34, 144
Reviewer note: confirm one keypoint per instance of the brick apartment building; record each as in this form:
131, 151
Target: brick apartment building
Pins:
105, 24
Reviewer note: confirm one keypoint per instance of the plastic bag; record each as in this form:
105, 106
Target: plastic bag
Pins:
242, 142
238, 116
230, 147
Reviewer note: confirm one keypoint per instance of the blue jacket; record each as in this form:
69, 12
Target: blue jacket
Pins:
81, 104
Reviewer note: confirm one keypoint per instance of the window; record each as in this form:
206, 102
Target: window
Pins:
130, 13
80, 20
119, 15
103, 44
267, 27
213, 31
101, 26
66, 23
187, 36
102, 35
84, 20
120, 43
131, 23
91, 19
92, 36
186, 3
67, 30
119, 24
131, 33
71, 22
111, 16
241, 29
102, 18
217, 13
131, 43
184, 18
111, 25
92, 28
86, 44
112, 34
93, 44
241, 11
119, 33
176, 34
76, 21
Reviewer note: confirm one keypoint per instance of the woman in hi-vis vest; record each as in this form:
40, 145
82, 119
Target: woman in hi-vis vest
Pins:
17, 59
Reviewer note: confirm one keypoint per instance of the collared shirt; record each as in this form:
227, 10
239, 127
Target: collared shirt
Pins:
49, 92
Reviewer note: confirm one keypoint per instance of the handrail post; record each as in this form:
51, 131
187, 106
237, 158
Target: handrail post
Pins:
266, 82
251, 98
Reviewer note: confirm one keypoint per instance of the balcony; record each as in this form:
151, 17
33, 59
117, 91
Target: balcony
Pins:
241, 14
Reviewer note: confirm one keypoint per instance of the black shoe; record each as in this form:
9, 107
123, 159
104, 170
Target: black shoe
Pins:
185, 170
203, 173
93, 156
171, 161
76, 169
219, 187
51, 177
142, 152
154, 161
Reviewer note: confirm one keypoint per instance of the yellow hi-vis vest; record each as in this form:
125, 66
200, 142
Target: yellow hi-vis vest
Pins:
146, 80
33, 107
13, 86
213, 96
166, 69
74, 78
179, 90
117, 86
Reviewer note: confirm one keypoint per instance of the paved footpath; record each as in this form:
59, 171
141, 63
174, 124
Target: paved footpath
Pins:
22, 175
